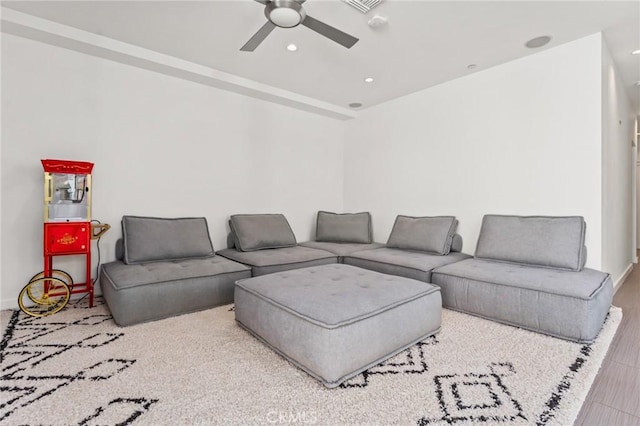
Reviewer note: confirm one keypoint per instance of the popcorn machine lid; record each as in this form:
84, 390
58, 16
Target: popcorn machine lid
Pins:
66, 166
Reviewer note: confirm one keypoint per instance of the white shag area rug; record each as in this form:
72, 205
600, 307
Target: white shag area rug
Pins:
78, 367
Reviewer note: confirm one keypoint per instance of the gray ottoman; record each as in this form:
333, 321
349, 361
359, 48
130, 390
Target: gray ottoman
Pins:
335, 321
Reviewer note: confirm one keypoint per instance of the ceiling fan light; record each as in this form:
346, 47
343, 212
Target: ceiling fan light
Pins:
285, 17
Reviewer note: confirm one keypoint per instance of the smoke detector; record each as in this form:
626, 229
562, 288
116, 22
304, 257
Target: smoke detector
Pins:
363, 6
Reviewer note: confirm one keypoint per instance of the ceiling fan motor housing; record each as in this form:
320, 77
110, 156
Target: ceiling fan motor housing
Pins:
285, 13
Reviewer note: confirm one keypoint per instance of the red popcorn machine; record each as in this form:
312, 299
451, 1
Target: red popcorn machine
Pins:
68, 230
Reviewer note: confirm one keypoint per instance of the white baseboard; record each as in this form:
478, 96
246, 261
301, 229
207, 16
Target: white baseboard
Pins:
13, 303
9, 304
624, 276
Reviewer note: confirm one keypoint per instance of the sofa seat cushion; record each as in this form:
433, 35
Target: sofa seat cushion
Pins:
282, 259
566, 304
341, 249
124, 276
405, 263
151, 291
334, 321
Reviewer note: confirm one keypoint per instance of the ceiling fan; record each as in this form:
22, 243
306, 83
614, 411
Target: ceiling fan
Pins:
288, 14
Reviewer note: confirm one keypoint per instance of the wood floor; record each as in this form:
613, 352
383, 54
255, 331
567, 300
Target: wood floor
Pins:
614, 398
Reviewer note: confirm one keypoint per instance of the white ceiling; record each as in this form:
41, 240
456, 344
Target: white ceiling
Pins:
424, 43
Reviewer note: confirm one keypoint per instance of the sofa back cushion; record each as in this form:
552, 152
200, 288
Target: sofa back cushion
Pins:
553, 242
253, 232
429, 234
344, 227
154, 239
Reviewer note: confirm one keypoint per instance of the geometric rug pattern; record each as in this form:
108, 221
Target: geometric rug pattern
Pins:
29, 345
78, 367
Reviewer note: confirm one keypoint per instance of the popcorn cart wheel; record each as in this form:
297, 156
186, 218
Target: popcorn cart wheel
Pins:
44, 296
55, 273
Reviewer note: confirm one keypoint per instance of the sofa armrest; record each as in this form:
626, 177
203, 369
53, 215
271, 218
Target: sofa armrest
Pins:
456, 243
230, 241
120, 249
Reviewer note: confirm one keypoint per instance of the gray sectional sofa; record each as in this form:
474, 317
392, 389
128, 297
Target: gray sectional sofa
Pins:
166, 267
529, 272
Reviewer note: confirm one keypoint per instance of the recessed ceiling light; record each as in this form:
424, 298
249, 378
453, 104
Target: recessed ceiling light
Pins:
368, 80
292, 47
538, 42
472, 66
636, 52
377, 21
637, 84
355, 104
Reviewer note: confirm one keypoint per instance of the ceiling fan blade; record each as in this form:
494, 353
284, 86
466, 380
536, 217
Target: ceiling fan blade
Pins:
263, 1
258, 37
330, 32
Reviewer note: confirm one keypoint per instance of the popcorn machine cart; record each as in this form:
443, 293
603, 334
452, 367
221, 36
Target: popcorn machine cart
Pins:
68, 230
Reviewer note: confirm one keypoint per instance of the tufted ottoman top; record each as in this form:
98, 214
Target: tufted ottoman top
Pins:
335, 295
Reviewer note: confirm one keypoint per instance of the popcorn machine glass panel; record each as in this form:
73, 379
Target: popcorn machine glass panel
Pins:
69, 201
67, 191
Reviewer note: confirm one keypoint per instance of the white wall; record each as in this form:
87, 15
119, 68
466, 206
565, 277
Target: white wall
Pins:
521, 138
637, 186
618, 168
637, 205
161, 147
